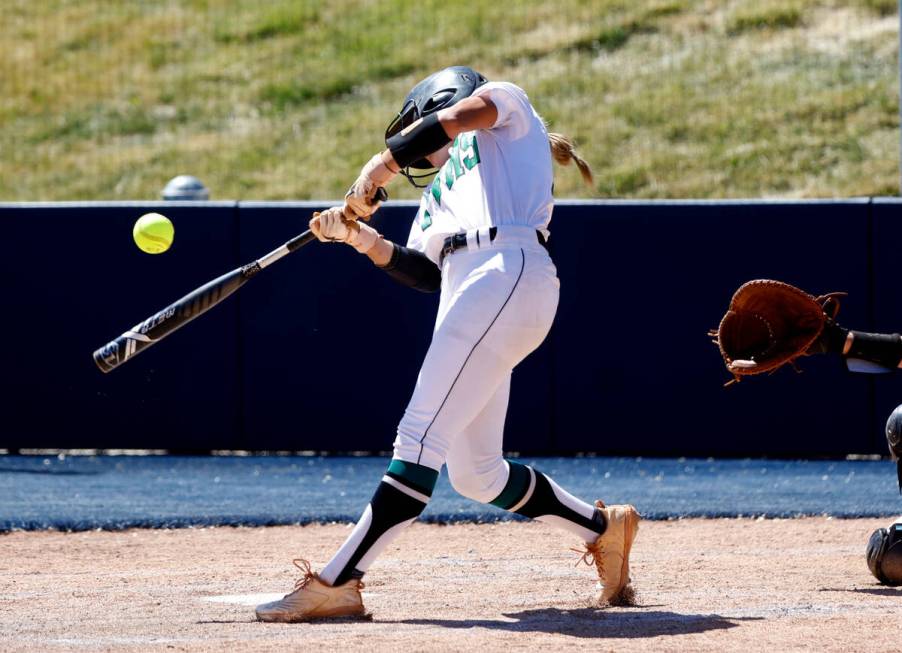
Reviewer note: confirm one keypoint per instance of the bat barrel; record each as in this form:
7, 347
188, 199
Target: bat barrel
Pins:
117, 351
171, 318
107, 357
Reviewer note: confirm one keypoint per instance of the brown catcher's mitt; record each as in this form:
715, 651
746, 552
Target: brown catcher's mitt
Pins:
769, 324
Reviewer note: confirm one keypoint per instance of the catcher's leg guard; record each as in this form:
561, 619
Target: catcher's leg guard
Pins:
611, 554
313, 599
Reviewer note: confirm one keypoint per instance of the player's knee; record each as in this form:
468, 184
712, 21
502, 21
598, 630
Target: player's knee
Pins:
479, 485
410, 445
470, 486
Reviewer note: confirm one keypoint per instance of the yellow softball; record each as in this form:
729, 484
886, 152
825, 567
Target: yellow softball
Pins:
153, 233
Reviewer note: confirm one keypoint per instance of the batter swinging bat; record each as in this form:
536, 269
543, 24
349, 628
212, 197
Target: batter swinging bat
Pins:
162, 323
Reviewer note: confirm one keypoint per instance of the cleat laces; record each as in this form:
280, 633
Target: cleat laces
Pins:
306, 569
592, 554
308, 575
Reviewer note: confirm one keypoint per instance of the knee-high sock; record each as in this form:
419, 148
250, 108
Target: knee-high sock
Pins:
532, 494
399, 499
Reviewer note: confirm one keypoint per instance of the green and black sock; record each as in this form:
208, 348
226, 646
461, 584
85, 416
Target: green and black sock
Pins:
399, 499
532, 494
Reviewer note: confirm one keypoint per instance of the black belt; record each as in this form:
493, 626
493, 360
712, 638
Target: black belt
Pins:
459, 241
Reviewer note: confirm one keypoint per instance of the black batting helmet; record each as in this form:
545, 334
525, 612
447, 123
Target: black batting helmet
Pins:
438, 91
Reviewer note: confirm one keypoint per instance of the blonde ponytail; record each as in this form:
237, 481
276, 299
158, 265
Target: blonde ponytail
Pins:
563, 151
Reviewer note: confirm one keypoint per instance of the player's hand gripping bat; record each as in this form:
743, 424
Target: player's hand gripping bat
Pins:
162, 323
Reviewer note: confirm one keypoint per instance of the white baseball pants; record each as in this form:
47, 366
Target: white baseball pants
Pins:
497, 305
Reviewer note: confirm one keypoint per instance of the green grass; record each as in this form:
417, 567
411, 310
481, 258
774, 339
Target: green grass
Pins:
286, 99
882, 7
769, 15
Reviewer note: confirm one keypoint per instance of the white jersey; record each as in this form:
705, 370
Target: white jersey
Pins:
494, 177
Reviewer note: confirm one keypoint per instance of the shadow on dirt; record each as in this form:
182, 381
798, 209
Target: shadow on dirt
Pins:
591, 622
876, 591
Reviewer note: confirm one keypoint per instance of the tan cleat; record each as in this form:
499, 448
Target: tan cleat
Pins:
313, 599
611, 554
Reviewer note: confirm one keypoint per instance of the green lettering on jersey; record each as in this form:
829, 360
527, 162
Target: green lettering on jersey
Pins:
437, 188
463, 156
447, 173
469, 150
455, 158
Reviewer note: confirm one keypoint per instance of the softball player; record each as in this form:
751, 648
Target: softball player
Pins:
874, 353
479, 237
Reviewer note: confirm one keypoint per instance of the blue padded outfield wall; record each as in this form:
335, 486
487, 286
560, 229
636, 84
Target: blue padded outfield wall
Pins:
290, 363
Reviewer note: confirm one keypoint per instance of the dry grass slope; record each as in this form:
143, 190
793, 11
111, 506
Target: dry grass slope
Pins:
286, 99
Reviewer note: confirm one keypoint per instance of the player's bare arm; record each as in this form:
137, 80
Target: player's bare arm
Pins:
426, 138
477, 112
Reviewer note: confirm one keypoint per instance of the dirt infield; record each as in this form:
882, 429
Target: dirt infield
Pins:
703, 585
